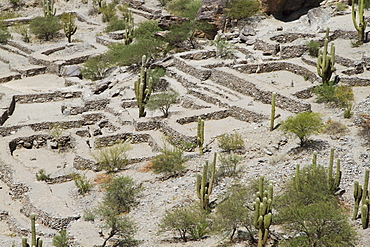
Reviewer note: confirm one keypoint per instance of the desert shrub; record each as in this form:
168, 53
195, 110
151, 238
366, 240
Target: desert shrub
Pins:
231, 142
223, 48
190, 219
335, 128
313, 48
61, 240
83, 184
170, 161
121, 194
89, 215
348, 110
341, 7
115, 24
184, 8
22, 30
45, 27
228, 165
310, 212
162, 101
164, 2
337, 95
41, 175
240, 9
95, 68
4, 33
234, 211
113, 158
146, 29
108, 11
303, 125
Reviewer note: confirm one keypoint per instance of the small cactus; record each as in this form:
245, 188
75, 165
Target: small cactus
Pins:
143, 88
35, 242
334, 182
325, 61
200, 135
204, 185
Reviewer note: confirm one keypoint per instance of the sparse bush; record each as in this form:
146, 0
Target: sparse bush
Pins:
113, 158
341, 6
348, 110
121, 194
146, 30
337, 95
164, 2
184, 8
170, 161
95, 68
45, 27
89, 215
240, 9
303, 125
231, 142
83, 184
228, 165
115, 24
162, 101
4, 33
190, 219
223, 48
22, 30
335, 128
61, 240
313, 48
41, 175
108, 11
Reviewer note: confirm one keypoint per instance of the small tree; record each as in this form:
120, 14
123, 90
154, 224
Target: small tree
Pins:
61, 240
45, 27
95, 68
120, 194
231, 142
162, 101
303, 125
190, 219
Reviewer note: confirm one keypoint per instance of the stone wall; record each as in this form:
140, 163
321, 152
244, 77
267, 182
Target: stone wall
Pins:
46, 97
200, 73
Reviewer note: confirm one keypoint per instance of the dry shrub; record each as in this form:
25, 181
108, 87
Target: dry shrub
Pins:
335, 128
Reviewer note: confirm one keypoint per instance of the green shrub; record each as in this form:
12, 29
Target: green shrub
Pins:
22, 30
108, 11
240, 9
146, 30
228, 165
311, 213
89, 215
231, 142
337, 95
184, 8
61, 240
4, 33
83, 184
45, 27
223, 48
341, 6
170, 161
313, 48
164, 2
113, 158
95, 68
115, 24
162, 101
41, 175
303, 125
121, 194
190, 219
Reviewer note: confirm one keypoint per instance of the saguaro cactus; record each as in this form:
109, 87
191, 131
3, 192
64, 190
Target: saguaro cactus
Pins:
200, 135
325, 61
204, 184
362, 195
263, 211
333, 182
357, 194
360, 23
48, 8
143, 88
68, 25
272, 117
35, 242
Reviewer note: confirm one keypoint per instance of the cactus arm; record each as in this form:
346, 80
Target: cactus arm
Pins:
272, 117
357, 194
365, 215
143, 87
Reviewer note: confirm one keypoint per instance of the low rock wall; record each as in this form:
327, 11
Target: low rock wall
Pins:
46, 97
200, 73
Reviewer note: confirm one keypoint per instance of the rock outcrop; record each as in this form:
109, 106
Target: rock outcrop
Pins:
288, 9
212, 11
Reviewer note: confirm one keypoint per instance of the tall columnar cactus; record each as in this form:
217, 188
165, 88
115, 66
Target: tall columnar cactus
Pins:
200, 134
35, 242
48, 8
334, 182
129, 25
365, 214
362, 195
68, 25
204, 184
263, 211
272, 117
360, 23
325, 61
143, 88
357, 194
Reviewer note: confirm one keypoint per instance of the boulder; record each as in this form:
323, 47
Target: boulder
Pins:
168, 20
212, 11
70, 71
288, 9
246, 32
